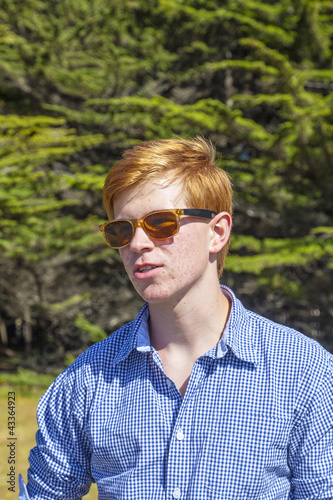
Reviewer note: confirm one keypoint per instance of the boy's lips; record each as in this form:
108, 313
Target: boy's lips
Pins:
145, 270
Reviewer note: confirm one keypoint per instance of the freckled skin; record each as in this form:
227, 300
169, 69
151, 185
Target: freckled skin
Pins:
184, 258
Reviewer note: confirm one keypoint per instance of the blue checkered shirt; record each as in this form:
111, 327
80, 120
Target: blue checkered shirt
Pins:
256, 421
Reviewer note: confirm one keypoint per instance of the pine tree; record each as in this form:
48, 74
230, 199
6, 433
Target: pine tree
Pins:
81, 81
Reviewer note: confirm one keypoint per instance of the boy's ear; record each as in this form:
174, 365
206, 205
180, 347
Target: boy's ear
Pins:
221, 229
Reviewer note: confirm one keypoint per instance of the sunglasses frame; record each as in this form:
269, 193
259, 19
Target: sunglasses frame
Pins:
178, 212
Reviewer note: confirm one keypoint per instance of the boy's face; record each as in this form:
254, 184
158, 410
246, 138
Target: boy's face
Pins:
164, 270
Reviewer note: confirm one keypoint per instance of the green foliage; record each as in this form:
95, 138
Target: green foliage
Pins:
273, 252
25, 380
34, 194
65, 304
81, 81
95, 332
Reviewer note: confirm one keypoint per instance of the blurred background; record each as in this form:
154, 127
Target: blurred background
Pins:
82, 80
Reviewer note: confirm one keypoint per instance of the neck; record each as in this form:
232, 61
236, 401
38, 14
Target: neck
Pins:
194, 324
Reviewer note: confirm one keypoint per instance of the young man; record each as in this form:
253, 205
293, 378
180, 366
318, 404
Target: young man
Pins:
197, 398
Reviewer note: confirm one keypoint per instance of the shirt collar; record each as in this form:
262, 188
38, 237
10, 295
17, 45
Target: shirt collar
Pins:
136, 335
237, 335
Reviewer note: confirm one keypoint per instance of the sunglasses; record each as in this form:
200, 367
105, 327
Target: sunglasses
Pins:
160, 225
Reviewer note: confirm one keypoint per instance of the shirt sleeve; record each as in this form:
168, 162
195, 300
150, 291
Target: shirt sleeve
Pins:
60, 463
311, 448
23, 494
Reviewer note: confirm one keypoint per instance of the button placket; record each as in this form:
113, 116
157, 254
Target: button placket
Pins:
178, 477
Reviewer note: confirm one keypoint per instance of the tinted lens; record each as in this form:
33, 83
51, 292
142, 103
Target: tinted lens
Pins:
161, 225
119, 233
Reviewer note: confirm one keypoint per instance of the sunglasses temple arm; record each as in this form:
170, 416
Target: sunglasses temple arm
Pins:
201, 213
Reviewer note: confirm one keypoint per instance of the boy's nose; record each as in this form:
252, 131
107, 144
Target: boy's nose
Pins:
141, 240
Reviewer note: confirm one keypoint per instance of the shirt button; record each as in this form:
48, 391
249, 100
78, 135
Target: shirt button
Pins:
180, 435
176, 493
169, 382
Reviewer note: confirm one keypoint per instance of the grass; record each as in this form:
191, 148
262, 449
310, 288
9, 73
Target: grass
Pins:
26, 399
